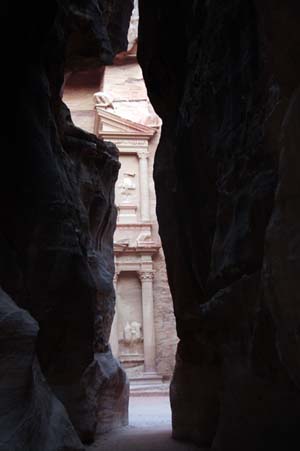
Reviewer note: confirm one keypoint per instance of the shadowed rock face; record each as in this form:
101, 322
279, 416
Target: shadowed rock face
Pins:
224, 78
31, 417
58, 217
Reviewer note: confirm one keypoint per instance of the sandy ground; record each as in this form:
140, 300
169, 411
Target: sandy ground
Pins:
149, 429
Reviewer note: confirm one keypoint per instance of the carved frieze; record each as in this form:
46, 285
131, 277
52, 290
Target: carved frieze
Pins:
129, 142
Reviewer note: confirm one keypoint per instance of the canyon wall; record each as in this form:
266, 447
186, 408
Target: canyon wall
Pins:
224, 78
58, 375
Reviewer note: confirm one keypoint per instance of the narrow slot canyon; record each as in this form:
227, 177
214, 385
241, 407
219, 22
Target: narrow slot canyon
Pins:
150, 225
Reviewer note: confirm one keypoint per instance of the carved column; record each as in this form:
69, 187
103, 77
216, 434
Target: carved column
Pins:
144, 185
148, 321
114, 336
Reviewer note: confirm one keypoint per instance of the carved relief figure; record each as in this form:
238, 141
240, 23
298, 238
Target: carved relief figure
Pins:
132, 336
127, 186
136, 332
144, 237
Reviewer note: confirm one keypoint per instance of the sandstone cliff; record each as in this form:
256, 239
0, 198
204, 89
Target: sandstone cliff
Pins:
56, 228
224, 78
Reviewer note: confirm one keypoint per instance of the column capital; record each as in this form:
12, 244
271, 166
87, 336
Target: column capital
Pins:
143, 154
146, 275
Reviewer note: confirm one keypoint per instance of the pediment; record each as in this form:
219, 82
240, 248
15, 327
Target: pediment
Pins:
108, 124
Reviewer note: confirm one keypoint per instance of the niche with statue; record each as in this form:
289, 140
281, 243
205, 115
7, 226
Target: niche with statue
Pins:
130, 329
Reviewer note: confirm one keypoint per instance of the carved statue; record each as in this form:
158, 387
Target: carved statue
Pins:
136, 331
127, 185
132, 333
144, 237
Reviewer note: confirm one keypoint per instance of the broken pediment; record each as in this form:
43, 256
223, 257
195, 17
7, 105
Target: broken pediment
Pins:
110, 125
